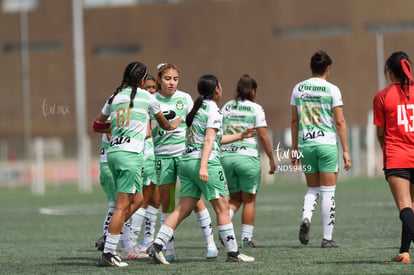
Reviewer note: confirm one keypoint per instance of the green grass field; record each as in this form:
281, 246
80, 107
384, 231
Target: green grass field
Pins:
56, 233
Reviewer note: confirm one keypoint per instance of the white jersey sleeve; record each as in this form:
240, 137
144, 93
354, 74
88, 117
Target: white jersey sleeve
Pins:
106, 109
155, 107
215, 120
336, 97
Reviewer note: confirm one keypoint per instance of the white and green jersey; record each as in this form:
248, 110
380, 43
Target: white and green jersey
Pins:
171, 143
149, 150
208, 116
237, 117
104, 148
129, 125
315, 98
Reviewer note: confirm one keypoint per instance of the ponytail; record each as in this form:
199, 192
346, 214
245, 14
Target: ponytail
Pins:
206, 86
406, 81
190, 116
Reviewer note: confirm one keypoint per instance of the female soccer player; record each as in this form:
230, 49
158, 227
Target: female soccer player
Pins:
204, 136
168, 149
317, 117
108, 186
241, 160
393, 116
128, 110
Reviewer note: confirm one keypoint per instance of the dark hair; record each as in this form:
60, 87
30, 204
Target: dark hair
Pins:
162, 68
245, 85
133, 74
319, 62
400, 65
206, 86
150, 77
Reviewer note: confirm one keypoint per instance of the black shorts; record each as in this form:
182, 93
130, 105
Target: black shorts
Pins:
405, 173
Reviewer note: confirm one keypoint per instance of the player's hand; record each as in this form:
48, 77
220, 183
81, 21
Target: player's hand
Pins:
347, 161
249, 132
203, 174
176, 122
272, 166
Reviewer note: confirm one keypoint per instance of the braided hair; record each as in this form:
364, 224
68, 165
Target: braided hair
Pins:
133, 74
400, 66
206, 86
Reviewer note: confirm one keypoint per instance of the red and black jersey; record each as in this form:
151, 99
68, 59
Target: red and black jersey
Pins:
394, 110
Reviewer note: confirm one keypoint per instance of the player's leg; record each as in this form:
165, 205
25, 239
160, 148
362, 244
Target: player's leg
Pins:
204, 222
166, 178
151, 215
328, 161
311, 197
248, 170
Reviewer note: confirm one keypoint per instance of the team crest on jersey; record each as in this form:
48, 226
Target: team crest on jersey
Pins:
179, 105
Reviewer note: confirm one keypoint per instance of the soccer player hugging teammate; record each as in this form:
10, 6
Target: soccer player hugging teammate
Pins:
128, 111
204, 136
169, 147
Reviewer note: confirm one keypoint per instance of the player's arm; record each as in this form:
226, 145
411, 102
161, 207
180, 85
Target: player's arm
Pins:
165, 124
294, 128
101, 124
380, 135
249, 132
148, 128
264, 140
341, 130
205, 154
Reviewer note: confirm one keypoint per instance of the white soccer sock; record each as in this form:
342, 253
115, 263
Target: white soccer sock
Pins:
108, 217
226, 233
169, 244
164, 235
150, 221
204, 221
309, 202
247, 232
111, 243
328, 210
231, 214
127, 240
136, 222
163, 217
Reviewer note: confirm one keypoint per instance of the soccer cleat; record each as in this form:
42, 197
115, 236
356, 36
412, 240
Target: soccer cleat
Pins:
100, 243
155, 252
211, 254
111, 259
169, 250
304, 231
170, 256
133, 253
329, 244
403, 258
248, 244
238, 257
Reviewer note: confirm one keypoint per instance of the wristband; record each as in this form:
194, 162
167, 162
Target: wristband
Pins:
97, 125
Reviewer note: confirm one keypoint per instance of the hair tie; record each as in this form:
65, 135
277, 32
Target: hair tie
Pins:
406, 66
159, 66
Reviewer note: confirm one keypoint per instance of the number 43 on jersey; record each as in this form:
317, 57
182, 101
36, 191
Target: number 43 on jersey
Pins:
403, 119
